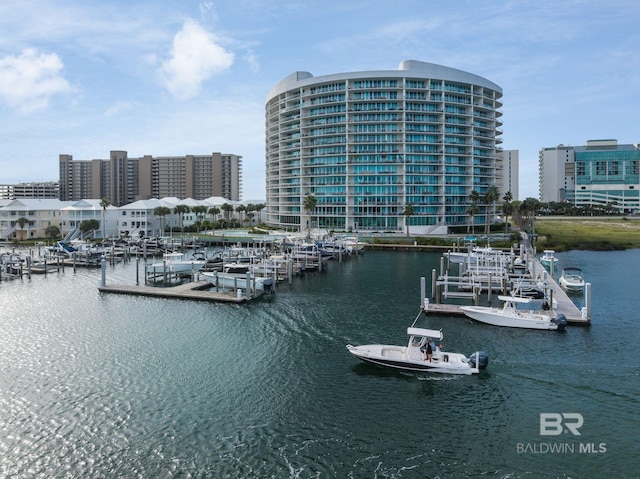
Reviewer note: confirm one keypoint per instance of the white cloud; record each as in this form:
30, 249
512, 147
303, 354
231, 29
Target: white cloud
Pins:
194, 58
29, 80
252, 59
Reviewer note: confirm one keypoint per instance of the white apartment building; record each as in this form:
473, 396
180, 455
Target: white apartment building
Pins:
367, 144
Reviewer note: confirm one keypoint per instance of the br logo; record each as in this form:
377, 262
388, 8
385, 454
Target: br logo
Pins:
554, 424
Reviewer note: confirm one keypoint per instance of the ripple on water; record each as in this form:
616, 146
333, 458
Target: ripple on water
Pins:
98, 385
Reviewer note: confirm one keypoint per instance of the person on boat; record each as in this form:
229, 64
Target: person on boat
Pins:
432, 343
429, 351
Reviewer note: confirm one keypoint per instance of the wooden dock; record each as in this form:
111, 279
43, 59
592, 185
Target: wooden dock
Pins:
562, 304
198, 290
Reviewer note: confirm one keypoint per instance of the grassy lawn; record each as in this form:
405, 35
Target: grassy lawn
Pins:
597, 233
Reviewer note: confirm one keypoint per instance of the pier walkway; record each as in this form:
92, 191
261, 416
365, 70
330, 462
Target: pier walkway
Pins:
562, 303
198, 290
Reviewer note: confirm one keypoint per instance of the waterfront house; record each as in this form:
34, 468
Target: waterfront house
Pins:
74, 214
40, 213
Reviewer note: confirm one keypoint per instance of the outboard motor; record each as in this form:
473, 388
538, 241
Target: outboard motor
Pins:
561, 321
480, 358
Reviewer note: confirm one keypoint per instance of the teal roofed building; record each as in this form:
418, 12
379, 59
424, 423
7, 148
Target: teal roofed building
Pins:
602, 172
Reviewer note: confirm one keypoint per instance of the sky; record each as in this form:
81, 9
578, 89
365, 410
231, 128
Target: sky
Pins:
179, 77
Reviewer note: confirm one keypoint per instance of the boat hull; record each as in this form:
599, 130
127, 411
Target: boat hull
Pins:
176, 268
572, 279
496, 317
226, 280
571, 286
396, 357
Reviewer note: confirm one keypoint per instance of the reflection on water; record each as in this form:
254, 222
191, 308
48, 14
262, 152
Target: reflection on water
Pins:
107, 386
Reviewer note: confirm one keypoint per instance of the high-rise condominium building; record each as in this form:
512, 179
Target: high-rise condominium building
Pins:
367, 144
601, 172
511, 174
123, 180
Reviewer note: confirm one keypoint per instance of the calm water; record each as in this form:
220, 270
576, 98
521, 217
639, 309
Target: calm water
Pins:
107, 386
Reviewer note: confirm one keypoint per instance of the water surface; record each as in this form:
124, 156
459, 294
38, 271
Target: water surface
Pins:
95, 385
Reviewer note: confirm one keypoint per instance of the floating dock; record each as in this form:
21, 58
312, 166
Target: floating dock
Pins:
198, 290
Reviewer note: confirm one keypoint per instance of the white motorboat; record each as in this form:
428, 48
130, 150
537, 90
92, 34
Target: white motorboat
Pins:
353, 244
313, 250
512, 316
468, 254
176, 263
572, 279
548, 258
413, 357
247, 281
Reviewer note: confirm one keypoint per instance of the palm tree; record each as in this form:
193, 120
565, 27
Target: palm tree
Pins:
474, 196
104, 204
408, 212
240, 209
528, 210
181, 210
258, 208
22, 221
199, 211
161, 212
214, 211
250, 208
472, 211
490, 197
507, 209
309, 205
228, 209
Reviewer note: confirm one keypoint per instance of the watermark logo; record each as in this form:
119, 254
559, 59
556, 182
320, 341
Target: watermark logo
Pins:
554, 424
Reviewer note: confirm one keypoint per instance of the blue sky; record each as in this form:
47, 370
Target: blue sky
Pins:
160, 77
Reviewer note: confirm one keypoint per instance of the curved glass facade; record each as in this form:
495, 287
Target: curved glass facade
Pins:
366, 144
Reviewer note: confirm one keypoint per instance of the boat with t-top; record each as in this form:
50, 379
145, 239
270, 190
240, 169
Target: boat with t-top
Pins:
548, 258
514, 314
416, 357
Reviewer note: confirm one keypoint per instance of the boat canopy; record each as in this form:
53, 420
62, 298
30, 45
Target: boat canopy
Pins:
431, 333
514, 299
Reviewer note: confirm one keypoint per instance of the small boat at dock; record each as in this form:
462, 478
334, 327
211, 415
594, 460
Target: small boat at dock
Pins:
513, 316
234, 279
548, 259
572, 279
175, 263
